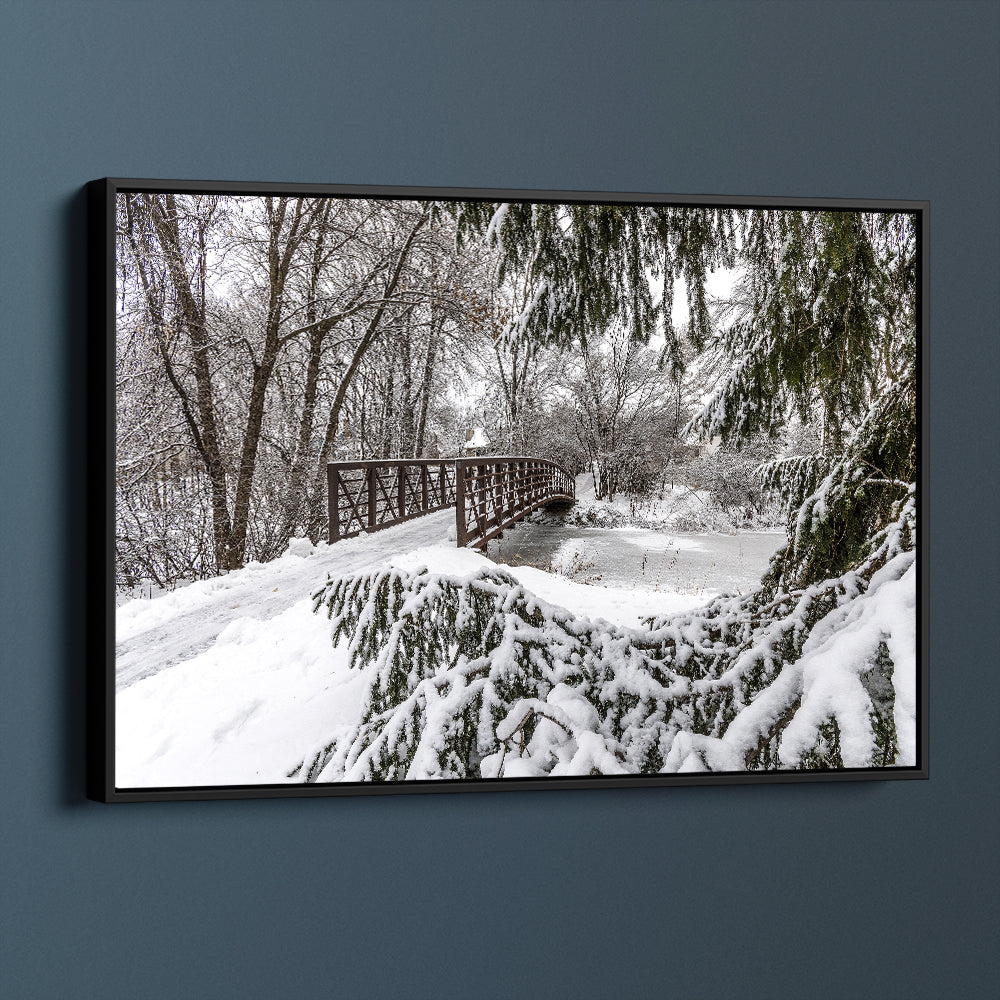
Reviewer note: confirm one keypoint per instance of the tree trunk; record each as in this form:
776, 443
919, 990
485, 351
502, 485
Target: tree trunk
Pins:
295, 501
279, 262
205, 430
425, 386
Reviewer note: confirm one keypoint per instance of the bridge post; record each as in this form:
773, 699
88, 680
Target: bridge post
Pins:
499, 471
370, 474
461, 535
333, 501
401, 490
481, 498
424, 486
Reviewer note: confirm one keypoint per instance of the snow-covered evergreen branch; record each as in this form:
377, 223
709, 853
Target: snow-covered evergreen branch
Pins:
475, 677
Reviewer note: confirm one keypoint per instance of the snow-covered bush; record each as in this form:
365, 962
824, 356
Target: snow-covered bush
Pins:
730, 476
597, 514
680, 509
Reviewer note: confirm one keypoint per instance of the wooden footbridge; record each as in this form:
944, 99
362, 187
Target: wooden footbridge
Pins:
489, 493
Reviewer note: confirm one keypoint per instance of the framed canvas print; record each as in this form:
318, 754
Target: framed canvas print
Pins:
402, 490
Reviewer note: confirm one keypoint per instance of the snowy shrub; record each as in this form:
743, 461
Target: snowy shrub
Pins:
676, 510
596, 514
476, 678
731, 478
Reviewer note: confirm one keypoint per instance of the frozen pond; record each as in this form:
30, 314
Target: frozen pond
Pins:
638, 558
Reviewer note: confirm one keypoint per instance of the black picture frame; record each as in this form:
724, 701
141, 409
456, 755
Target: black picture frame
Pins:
101, 490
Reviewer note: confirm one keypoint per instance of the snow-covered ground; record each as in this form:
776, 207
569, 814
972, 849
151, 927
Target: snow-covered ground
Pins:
174, 627
227, 680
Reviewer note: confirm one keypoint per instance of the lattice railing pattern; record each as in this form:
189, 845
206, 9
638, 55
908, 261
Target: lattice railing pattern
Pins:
493, 493
367, 496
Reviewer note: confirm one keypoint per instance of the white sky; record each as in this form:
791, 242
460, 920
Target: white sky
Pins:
718, 284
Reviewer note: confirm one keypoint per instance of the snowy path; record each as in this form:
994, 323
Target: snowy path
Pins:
585, 486
153, 635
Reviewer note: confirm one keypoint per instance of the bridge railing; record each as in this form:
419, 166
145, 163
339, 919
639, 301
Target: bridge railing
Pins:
370, 495
489, 493
495, 492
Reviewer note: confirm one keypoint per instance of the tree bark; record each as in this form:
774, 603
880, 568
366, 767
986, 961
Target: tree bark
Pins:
425, 384
205, 432
280, 254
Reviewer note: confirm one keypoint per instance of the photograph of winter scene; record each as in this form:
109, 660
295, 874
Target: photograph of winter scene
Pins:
416, 489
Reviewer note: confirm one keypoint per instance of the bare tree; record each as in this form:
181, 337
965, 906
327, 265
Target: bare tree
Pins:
626, 411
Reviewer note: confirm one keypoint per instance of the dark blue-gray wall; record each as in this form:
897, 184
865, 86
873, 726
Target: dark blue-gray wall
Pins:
875, 890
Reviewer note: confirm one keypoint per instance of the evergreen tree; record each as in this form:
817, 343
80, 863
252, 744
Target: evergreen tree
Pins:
825, 327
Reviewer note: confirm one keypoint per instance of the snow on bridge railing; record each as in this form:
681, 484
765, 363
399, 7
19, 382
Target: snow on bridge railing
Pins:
489, 493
